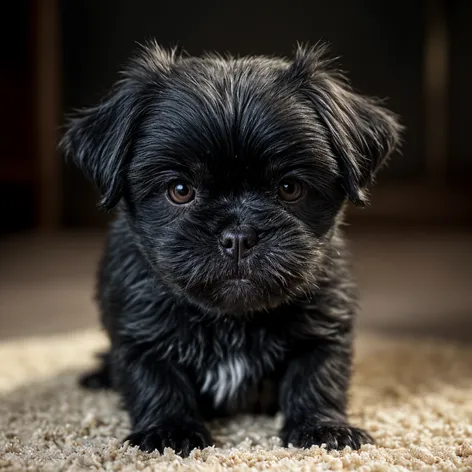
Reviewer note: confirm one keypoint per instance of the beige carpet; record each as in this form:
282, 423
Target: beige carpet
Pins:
414, 397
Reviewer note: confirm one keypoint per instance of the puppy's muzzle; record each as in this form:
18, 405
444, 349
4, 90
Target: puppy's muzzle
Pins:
238, 243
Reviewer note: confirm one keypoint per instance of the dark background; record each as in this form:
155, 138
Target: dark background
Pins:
383, 46
60, 55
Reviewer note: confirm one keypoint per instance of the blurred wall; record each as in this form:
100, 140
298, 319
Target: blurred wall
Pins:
381, 44
17, 136
460, 90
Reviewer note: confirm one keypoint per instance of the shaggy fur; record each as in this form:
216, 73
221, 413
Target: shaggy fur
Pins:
238, 299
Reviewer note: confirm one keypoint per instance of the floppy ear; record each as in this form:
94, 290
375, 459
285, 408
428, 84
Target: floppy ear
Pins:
99, 139
362, 133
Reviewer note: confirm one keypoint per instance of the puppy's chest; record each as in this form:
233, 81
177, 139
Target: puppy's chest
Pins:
232, 362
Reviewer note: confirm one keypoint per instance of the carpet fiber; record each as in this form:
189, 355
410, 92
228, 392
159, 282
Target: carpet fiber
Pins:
415, 397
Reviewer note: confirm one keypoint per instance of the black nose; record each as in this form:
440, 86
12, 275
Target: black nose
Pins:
237, 243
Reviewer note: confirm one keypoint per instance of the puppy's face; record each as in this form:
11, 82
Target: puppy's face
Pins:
232, 172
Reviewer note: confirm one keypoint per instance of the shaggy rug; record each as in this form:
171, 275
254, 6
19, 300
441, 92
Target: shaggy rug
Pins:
415, 397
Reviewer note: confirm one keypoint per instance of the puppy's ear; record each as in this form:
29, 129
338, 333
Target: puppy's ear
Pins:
99, 139
362, 133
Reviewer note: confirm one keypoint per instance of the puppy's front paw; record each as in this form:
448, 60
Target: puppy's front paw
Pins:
333, 435
96, 380
182, 438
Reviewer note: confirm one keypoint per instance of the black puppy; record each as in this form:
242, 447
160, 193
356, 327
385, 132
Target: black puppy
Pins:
224, 286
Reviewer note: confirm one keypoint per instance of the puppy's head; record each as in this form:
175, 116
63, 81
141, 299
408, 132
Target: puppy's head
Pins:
233, 172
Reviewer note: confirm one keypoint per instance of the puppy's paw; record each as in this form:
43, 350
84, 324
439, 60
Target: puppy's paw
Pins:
99, 379
181, 438
333, 435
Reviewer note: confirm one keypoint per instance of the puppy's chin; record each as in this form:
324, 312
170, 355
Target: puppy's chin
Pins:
238, 296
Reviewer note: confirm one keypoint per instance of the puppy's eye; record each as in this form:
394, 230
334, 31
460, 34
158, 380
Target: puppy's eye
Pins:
181, 192
290, 190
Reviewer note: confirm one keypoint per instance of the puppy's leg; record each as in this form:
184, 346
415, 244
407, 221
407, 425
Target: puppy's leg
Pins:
99, 378
314, 398
162, 404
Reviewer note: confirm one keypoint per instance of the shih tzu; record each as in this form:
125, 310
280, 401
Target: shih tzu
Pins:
224, 287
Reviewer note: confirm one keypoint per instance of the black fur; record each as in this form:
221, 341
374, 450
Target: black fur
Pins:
194, 333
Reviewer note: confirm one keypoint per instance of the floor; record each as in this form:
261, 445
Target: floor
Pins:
412, 281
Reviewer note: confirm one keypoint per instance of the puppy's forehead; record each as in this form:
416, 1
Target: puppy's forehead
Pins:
238, 113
